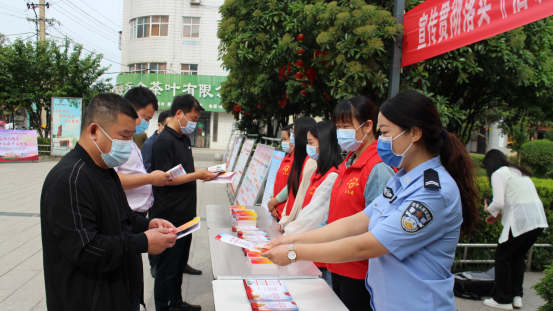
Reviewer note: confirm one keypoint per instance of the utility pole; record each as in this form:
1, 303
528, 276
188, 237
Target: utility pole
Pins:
42, 20
395, 66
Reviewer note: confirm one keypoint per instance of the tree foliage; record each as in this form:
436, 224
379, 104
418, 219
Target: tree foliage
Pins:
31, 73
346, 50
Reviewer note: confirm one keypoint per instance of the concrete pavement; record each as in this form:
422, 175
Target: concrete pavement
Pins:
21, 275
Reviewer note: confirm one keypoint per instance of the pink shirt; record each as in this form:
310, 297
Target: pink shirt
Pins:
142, 198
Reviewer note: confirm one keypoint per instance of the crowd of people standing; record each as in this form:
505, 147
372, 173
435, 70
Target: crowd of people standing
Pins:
382, 224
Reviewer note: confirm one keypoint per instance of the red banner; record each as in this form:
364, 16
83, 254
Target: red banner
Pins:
439, 26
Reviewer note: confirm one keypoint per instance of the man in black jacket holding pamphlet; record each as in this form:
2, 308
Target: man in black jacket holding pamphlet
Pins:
176, 201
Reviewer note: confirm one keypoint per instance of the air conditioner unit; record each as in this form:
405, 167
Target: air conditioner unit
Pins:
195, 1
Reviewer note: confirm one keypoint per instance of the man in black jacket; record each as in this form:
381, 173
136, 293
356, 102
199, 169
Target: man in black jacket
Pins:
92, 241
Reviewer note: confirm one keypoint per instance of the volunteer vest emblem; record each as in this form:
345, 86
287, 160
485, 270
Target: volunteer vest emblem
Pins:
388, 193
312, 190
286, 170
354, 182
416, 217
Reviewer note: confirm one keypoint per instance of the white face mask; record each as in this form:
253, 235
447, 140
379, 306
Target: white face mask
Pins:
189, 128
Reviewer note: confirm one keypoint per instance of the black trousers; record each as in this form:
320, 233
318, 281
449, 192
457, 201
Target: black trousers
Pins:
510, 266
352, 292
169, 269
151, 258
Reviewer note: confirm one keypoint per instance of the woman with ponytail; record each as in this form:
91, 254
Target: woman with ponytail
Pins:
414, 225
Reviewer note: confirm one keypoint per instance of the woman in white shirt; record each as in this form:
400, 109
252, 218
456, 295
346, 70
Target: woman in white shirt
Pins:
516, 202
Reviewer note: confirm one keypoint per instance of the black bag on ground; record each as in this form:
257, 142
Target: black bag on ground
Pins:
474, 285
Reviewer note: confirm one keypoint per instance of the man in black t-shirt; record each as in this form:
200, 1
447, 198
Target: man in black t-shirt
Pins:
176, 201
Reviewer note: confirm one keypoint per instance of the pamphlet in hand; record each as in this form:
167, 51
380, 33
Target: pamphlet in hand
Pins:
223, 237
188, 227
218, 168
267, 290
176, 171
224, 178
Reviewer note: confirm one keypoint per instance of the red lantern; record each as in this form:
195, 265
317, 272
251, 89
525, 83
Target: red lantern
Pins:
300, 52
299, 63
304, 84
304, 92
299, 76
300, 37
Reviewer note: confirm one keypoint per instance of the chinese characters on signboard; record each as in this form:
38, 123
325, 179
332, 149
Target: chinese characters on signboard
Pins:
18, 145
66, 124
437, 26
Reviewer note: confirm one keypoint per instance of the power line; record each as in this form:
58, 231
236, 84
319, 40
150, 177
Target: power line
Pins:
103, 34
118, 26
17, 34
104, 52
12, 15
82, 21
88, 42
75, 7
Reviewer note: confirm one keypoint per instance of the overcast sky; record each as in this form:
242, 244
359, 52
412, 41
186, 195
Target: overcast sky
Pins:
95, 24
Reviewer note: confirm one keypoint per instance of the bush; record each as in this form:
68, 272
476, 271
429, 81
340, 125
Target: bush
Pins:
549, 134
485, 233
545, 289
43, 150
477, 160
538, 155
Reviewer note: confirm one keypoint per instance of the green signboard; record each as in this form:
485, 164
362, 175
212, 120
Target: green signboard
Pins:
166, 86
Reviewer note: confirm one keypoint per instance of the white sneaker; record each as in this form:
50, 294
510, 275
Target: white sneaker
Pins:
492, 303
517, 302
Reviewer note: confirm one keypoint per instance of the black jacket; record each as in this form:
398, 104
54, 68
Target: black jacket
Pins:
91, 239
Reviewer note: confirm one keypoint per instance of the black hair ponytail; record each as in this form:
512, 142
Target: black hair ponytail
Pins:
301, 127
329, 150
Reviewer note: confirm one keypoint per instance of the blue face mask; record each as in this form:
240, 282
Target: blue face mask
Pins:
312, 152
189, 128
286, 147
346, 139
142, 127
384, 149
292, 139
119, 153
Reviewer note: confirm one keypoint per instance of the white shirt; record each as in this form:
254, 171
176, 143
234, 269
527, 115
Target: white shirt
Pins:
313, 213
515, 195
140, 199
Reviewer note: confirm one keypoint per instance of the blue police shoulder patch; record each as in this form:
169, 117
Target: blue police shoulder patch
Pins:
416, 217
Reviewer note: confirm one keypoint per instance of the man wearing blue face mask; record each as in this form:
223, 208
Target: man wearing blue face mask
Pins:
176, 201
92, 241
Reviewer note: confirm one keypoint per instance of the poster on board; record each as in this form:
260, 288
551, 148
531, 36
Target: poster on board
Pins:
232, 162
277, 158
255, 176
241, 163
66, 124
230, 147
16, 145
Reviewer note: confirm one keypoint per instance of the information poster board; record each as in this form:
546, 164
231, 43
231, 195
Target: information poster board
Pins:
277, 158
230, 147
235, 150
16, 145
66, 124
241, 163
255, 176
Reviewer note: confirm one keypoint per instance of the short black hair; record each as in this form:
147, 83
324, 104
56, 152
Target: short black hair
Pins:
140, 97
104, 108
360, 108
185, 103
163, 116
288, 128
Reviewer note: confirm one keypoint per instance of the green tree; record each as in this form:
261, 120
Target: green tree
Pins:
515, 67
33, 72
274, 72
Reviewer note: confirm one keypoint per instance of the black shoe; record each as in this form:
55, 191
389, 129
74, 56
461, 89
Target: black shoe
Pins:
153, 271
190, 270
187, 307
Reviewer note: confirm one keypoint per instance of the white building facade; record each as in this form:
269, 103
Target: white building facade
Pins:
171, 47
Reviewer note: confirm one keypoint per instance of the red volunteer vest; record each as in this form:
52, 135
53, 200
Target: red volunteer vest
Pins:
347, 199
282, 178
316, 180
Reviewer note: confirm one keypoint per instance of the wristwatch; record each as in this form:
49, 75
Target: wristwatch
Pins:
291, 253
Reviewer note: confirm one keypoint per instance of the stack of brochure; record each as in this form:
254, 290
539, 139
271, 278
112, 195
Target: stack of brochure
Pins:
248, 229
235, 207
244, 217
188, 227
269, 295
256, 261
218, 169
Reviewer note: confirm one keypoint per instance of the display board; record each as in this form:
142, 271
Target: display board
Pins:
18, 145
255, 176
277, 158
230, 148
235, 149
241, 163
66, 124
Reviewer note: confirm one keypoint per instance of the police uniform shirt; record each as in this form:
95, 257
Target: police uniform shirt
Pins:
418, 219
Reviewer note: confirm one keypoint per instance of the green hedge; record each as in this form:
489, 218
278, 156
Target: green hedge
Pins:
485, 233
538, 156
477, 160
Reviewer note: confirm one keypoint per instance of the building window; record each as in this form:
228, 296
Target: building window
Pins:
191, 27
148, 68
154, 26
189, 69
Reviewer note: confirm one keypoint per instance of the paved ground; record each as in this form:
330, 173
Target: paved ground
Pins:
21, 276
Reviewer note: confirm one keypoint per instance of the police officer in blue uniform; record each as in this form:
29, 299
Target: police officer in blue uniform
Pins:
414, 225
